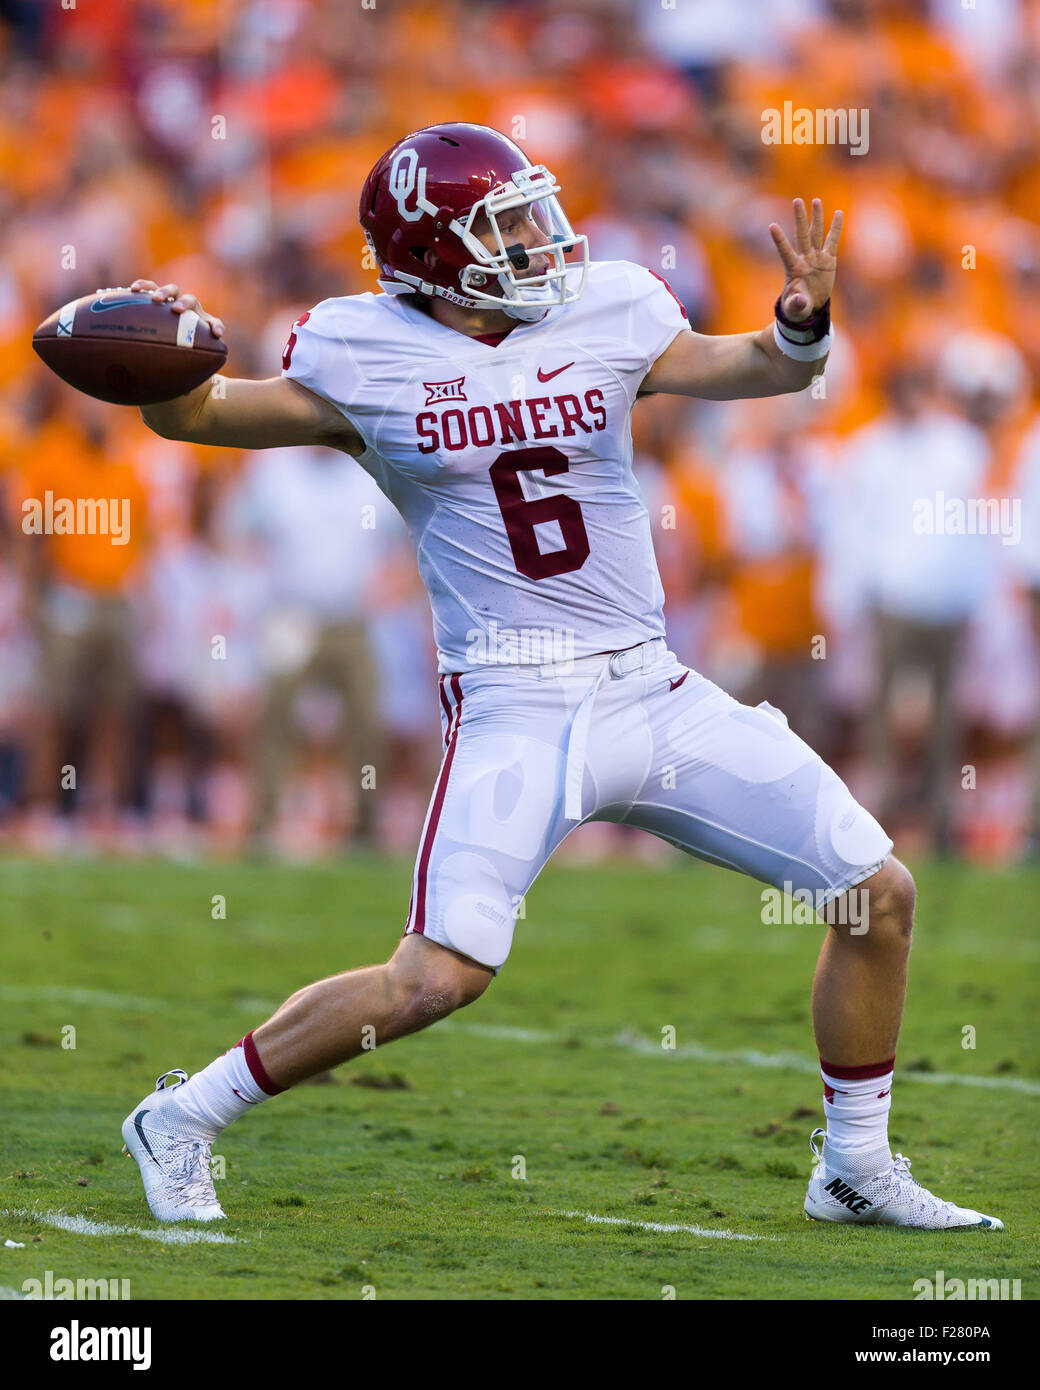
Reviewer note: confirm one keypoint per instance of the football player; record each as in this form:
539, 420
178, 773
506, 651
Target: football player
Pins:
488, 390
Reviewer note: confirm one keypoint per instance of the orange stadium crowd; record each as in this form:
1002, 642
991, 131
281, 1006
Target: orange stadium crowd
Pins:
231, 672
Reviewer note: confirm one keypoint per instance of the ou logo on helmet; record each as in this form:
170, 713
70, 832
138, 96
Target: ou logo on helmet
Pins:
408, 176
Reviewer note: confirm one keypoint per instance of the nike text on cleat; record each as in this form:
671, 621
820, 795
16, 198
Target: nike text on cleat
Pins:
174, 1158
875, 1189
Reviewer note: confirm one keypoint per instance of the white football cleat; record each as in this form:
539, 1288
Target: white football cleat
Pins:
173, 1158
875, 1189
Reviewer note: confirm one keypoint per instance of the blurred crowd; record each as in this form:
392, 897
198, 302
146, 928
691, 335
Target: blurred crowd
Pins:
254, 665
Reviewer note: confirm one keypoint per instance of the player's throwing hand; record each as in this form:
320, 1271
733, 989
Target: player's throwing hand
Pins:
178, 302
810, 264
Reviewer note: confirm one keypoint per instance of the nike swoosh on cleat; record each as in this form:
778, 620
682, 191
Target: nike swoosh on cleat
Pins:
144, 1138
674, 685
548, 376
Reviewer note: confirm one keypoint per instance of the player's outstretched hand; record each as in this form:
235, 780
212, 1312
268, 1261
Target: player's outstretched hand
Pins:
178, 302
810, 264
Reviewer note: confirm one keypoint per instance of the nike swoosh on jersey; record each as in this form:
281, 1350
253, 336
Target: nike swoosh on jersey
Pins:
548, 376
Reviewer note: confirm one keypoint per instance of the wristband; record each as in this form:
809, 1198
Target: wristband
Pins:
803, 352
810, 330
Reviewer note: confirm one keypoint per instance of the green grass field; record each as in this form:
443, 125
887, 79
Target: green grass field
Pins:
400, 1175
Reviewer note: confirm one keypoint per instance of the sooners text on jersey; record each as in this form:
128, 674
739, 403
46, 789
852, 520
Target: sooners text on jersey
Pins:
510, 464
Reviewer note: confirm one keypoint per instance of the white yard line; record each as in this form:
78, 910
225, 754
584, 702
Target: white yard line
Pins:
665, 1227
772, 1061
130, 1003
629, 1041
101, 998
81, 1226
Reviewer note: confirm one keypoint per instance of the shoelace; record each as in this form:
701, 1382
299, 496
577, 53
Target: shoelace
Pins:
902, 1165
181, 1076
816, 1153
193, 1179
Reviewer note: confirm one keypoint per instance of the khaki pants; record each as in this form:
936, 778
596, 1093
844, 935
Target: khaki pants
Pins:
88, 696
87, 647
339, 658
932, 648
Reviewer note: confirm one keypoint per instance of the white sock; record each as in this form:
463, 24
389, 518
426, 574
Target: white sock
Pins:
226, 1089
857, 1106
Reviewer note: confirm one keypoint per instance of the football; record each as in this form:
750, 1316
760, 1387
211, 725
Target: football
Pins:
123, 347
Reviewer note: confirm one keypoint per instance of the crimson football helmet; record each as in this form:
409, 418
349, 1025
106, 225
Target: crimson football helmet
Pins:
427, 192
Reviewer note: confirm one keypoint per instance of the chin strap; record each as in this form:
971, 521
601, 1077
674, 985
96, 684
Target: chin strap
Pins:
527, 313
524, 313
395, 287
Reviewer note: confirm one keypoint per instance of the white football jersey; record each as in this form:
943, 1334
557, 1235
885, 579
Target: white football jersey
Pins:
510, 464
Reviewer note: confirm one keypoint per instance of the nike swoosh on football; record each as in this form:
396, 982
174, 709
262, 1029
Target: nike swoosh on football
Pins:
548, 376
99, 306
